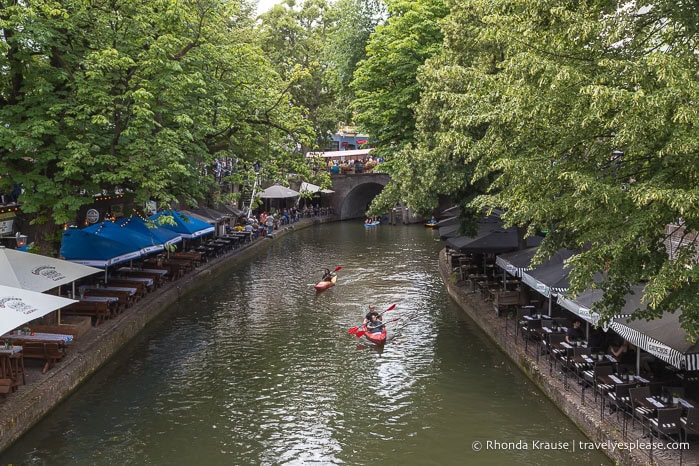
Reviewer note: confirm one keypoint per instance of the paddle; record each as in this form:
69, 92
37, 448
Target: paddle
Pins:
354, 329
361, 333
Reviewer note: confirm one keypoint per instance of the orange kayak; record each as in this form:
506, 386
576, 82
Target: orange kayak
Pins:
324, 285
378, 338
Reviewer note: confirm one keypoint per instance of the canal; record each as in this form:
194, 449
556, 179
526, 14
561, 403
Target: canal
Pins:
256, 368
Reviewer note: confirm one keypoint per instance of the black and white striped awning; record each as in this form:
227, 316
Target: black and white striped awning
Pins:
664, 338
582, 304
581, 311
516, 263
551, 277
652, 346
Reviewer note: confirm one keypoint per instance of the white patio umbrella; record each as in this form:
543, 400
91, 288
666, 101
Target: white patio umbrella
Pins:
38, 273
19, 306
312, 188
278, 192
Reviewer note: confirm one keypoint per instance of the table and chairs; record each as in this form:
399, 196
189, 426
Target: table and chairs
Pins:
98, 308
47, 347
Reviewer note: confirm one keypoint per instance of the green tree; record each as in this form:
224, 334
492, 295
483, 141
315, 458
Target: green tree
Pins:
356, 21
385, 82
580, 119
132, 96
295, 37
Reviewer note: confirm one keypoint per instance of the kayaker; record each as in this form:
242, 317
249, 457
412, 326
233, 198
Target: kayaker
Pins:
375, 324
371, 314
327, 276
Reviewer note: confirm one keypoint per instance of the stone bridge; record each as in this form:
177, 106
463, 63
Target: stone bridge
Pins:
354, 192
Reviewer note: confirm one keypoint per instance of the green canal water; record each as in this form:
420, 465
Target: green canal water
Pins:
255, 368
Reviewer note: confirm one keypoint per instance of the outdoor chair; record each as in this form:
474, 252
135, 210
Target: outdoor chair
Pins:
590, 378
667, 423
554, 353
520, 321
690, 423
639, 412
620, 400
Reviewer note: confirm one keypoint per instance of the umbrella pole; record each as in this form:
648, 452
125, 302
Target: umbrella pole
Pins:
550, 299
638, 361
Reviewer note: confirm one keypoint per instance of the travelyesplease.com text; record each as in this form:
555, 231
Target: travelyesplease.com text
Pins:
578, 445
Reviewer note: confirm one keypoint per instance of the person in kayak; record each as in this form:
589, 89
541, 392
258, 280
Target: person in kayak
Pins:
327, 276
371, 314
375, 324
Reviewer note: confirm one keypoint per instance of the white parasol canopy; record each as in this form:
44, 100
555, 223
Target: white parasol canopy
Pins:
38, 273
278, 192
18, 306
312, 188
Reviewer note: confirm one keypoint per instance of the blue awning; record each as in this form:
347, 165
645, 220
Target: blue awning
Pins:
187, 227
88, 248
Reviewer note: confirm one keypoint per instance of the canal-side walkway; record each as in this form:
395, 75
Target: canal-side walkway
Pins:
42, 392
584, 411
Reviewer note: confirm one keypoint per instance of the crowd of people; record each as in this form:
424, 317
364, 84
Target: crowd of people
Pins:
353, 166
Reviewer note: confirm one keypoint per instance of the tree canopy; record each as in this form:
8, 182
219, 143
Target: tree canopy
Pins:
134, 96
574, 117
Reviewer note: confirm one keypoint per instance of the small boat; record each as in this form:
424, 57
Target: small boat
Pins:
324, 285
372, 224
378, 338
430, 225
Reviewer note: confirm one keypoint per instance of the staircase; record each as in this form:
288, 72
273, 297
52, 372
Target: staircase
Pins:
248, 194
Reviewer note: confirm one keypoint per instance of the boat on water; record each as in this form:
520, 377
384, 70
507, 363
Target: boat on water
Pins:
377, 338
430, 225
324, 285
372, 224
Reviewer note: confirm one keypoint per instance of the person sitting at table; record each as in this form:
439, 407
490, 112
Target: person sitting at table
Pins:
625, 354
574, 333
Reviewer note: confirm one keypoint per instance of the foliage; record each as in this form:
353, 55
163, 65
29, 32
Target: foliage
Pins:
294, 38
133, 96
579, 118
385, 82
356, 21
387, 91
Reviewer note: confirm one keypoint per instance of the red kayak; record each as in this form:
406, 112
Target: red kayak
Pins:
378, 338
324, 285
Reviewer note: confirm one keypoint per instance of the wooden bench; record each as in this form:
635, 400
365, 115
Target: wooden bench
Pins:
158, 279
125, 299
140, 286
99, 311
190, 255
50, 353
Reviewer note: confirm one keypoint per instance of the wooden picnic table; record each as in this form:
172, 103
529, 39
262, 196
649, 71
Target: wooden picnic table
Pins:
124, 295
99, 308
124, 282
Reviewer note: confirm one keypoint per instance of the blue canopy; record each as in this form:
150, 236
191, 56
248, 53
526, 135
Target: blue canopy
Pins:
128, 236
187, 227
158, 235
88, 248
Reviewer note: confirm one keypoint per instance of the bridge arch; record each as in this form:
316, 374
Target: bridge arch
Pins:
354, 192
